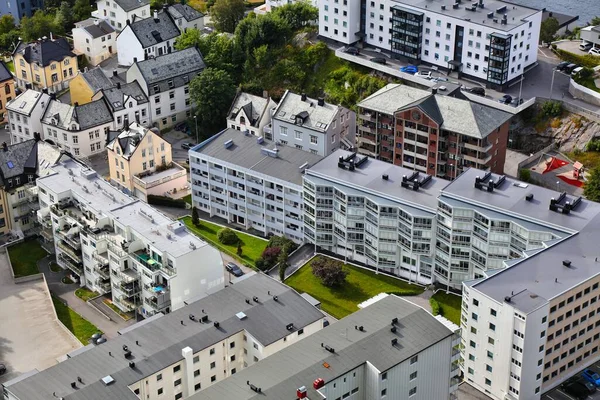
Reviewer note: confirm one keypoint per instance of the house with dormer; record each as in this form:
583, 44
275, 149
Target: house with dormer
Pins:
250, 113
118, 12
186, 17
128, 104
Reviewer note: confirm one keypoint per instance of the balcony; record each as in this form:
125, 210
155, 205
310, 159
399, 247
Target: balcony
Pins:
104, 287
144, 259
103, 271
366, 117
67, 263
71, 239
70, 252
130, 288
47, 234
367, 129
268, 129
126, 304
127, 275
116, 248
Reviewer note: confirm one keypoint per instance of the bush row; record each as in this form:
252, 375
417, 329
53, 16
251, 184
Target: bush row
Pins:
166, 201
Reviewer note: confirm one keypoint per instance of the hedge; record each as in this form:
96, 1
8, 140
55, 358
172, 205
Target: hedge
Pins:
435, 307
585, 60
166, 201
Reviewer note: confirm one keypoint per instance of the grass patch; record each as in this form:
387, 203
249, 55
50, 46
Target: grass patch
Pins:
10, 65
449, 305
116, 309
590, 159
198, 5
67, 280
188, 199
252, 247
361, 284
85, 294
24, 257
318, 79
54, 267
80, 327
588, 83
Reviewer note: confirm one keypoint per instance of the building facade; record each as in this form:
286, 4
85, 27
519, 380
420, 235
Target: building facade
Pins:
492, 41
165, 80
435, 134
250, 113
141, 164
311, 125
7, 90
128, 104
89, 82
21, 9
25, 115
186, 17
95, 39
118, 12
45, 64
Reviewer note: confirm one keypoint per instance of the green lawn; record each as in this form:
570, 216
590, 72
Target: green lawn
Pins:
188, 199
24, 257
361, 284
54, 267
450, 305
85, 294
81, 328
588, 83
252, 247
117, 310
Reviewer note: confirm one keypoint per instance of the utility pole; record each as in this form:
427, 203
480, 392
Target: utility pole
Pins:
552, 83
521, 88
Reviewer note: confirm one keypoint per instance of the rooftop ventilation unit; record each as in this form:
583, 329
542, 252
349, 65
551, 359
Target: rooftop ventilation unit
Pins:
394, 321
529, 197
289, 327
107, 380
253, 387
443, 7
328, 348
228, 143
301, 392
394, 342
125, 348
385, 177
260, 140
270, 152
127, 354
303, 166
146, 215
393, 329
204, 318
455, 6
131, 364
490, 15
507, 299
500, 10
567, 263
240, 315
255, 299
359, 328
216, 324
275, 298
192, 317
74, 385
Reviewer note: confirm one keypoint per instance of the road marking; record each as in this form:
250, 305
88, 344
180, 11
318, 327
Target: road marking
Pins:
569, 397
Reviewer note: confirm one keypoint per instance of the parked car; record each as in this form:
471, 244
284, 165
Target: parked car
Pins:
478, 90
516, 101
562, 65
506, 99
576, 389
591, 376
569, 68
589, 385
379, 60
234, 269
576, 71
352, 50
594, 51
424, 74
442, 88
187, 145
585, 46
181, 127
2, 369
409, 69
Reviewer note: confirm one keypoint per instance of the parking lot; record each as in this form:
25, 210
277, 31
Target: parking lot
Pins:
559, 394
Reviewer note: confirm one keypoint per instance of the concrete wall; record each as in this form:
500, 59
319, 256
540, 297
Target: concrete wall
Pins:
581, 92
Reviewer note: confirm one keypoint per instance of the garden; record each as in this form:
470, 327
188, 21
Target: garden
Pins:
79, 326
447, 305
24, 257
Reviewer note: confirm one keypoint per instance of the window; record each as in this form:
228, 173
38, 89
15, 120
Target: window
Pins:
383, 392
213, 365
300, 332
176, 368
412, 392
492, 312
413, 376
158, 110
298, 135
177, 382
158, 377
414, 360
488, 382
196, 373
283, 131
488, 368
213, 378
384, 376
178, 396
160, 391
491, 340
492, 327
197, 387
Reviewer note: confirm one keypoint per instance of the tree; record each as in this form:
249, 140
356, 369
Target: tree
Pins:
591, 190
548, 30
195, 219
595, 21
7, 24
552, 108
298, 14
282, 260
212, 92
64, 15
190, 38
39, 25
226, 14
330, 272
82, 10
227, 236
239, 250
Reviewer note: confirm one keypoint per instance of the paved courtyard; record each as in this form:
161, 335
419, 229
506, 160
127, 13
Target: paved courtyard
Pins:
30, 336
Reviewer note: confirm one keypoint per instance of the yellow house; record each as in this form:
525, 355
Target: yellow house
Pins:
46, 63
7, 89
85, 85
141, 164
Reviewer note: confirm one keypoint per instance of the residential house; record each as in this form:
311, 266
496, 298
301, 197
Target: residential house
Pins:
25, 113
186, 17
81, 130
45, 64
311, 125
20, 9
141, 164
95, 39
591, 34
128, 103
250, 113
431, 133
7, 89
85, 85
165, 80
147, 38
118, 12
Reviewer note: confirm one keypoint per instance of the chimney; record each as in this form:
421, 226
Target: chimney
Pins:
128, 22
321, 101
165, 7
433, 90
134, 60
45, 90
303, 97
36, 136
550, 14
155, 16
76, 104
118, 85
51, 37
115, 72
52, 96
4, 146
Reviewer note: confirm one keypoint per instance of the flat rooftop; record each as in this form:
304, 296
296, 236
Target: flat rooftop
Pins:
246, 152
510, 198
280, 374
515, 13
368, 180
162, 339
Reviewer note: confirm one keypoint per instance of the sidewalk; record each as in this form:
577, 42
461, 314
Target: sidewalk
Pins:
296, 261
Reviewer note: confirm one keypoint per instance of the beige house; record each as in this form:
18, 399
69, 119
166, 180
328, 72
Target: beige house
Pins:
141, 164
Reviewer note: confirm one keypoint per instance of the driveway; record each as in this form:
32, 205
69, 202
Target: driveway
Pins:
176, 139
30, 335
572, 46
296, 261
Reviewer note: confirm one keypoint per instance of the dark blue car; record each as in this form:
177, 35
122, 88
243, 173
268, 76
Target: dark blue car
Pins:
409, 69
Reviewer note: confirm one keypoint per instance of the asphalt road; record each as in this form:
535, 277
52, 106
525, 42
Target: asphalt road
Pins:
559, 394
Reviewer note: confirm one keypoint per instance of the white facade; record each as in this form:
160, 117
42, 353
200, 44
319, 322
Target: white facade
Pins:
116, 16
259, 108
126, 108
186, 17
340, 21
25, 114
96, 48
167, 108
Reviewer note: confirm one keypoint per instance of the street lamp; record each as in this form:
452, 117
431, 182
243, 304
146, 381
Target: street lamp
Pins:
521, 88
196, 123
558, 186
552, 83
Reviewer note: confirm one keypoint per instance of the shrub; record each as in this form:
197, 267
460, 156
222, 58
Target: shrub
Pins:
166, 201
269, 256
227, 236
239, 250
435, 307
593, 145
283, 243
195, 219
585, 60
330, 272
525, 175
260, 264
585, 73
552, 108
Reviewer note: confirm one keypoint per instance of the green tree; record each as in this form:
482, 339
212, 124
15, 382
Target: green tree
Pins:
227, 236
190, 38
64, 16
82, 10
548, 30
298, 14
591, 190
239, 250
282, 260
39, 25
195, 218
212, 92
226, 14
331, 272
7, 24
595, 21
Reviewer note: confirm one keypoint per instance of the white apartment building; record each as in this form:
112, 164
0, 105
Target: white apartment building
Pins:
25, 113
95, 39
531, 326
391, 349
311, 125
251, 182
118, 244
186, 17
118, 12
490, 40
165, 80
147, 38
81, 130
364, 210
250, 113
179, 355
128, 103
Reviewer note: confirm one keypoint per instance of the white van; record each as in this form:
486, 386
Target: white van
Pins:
576, 71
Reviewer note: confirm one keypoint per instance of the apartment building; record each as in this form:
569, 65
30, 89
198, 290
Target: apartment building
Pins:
81, 130
181, 354
44, 64
391, 349
141, 164
118, 244
118, 12
165, 80
431, 133
250, 113
95, 39
251, 182
490, 40
128, 104
7, 90
147, 38
186, 17
536, 323
311, 125
373, 212
25, 113
20, 9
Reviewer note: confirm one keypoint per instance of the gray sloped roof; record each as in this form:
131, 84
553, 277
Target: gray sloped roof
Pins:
184, 11
5, 74
43, 52
96, 79
430, 107
313, 115
176, 66
116, 97
152, 31
97, 27
93, 114
17, 158
129, 5
253, 106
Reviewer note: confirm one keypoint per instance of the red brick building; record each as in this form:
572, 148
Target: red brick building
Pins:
432, 133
